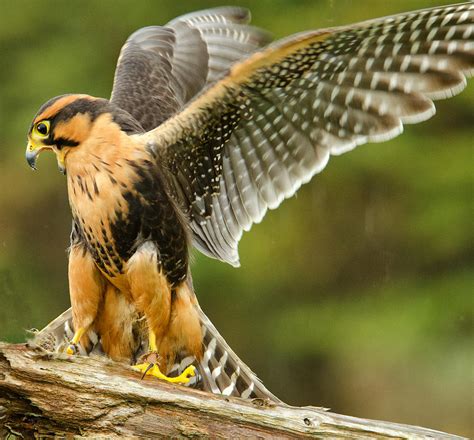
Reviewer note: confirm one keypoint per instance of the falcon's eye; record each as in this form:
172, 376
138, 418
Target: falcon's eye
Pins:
42, 128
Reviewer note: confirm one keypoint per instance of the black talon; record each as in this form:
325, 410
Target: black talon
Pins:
147, 369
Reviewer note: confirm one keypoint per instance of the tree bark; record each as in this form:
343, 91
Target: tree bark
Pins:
42, 394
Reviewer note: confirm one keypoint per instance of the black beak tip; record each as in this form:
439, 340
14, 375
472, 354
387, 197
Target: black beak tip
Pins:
31, 159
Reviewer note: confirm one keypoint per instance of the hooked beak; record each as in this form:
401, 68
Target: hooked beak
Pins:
33, 151
32, 154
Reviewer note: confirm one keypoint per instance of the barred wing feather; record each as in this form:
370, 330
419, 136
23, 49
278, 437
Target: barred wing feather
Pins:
252, 139
161, 68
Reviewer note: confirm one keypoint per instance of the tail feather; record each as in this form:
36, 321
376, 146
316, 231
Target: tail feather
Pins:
225, 373
220, 371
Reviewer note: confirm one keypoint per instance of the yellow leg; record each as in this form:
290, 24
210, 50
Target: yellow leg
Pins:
153, 369
152, 342
75, 340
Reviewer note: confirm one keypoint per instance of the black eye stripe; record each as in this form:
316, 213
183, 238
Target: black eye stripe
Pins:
64, 142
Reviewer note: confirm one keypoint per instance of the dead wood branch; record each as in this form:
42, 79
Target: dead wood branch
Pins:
44, 395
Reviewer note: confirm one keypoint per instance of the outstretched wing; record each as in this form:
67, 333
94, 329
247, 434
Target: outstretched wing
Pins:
162, 68
257, 135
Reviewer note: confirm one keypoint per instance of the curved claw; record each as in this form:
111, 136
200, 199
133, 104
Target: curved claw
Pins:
147, 370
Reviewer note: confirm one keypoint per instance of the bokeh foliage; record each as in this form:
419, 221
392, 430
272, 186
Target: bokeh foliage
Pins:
354, 295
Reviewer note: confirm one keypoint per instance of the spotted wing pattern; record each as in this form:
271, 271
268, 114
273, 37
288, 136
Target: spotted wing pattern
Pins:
162, 68
258, 134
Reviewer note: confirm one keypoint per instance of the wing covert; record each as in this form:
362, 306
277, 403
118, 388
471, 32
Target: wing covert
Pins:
161, 68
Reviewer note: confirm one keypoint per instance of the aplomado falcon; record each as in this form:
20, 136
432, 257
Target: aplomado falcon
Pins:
207, 128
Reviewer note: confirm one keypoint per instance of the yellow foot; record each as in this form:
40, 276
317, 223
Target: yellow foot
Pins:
153, 369
72, 347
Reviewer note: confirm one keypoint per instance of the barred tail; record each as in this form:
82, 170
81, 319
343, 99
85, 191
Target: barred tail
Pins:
223, 372
220, 370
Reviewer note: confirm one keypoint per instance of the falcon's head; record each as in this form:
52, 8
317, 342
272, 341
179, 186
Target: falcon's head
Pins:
64, 123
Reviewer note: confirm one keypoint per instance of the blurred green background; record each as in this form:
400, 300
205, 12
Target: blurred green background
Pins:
354, 295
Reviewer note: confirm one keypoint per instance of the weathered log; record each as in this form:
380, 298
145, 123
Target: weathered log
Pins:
54, 395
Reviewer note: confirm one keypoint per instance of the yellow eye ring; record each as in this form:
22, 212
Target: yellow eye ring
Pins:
42, 128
